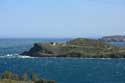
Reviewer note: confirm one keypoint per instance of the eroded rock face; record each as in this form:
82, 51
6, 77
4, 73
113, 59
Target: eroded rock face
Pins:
116, 38
80, 47
38, 50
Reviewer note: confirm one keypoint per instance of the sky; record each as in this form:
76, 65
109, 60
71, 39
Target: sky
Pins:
61, 18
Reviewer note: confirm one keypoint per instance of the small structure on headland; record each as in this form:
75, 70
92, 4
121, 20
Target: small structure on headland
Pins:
53, 43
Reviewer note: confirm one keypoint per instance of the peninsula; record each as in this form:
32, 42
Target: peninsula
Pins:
115, 38
80, 47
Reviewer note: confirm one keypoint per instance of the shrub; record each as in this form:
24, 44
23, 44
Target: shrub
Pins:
34, 77
41, 81
15, 77
24, 77
7, 75
51, 81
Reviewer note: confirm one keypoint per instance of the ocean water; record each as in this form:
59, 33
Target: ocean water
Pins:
63, 70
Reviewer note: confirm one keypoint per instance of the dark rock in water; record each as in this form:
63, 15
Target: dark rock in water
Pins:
80, 47
117, 38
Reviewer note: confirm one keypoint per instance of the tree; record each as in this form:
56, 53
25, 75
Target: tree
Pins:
24, 77
7, 75
34, 77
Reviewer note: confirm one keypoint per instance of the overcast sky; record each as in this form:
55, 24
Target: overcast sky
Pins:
61, 18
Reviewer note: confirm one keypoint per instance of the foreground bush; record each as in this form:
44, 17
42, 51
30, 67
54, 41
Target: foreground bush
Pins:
9, 77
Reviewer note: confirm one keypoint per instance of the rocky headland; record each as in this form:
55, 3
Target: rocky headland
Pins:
80, 47
115, 38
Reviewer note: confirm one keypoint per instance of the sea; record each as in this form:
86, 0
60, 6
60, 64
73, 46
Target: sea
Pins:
62, 70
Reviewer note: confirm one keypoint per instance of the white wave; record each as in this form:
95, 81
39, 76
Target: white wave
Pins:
15, 56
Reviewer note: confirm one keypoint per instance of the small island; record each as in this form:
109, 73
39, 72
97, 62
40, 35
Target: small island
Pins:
79, 47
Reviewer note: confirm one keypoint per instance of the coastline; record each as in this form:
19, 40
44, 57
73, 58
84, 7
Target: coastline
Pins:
52, 57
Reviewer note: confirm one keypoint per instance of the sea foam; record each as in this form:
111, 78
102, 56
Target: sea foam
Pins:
14, 56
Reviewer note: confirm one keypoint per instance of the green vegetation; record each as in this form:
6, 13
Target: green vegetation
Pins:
24, 77
80, 47
34, 77
9, 77
51, 81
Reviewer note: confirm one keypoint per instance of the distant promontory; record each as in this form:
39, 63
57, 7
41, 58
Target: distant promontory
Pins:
79, 47
115, 38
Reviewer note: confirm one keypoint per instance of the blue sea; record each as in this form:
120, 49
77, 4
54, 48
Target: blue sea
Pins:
63, 70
